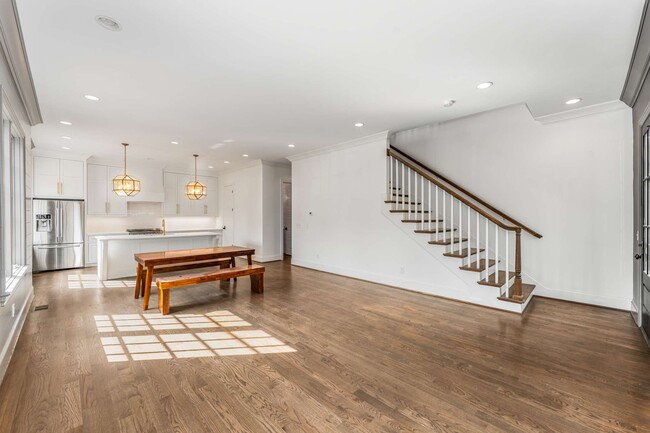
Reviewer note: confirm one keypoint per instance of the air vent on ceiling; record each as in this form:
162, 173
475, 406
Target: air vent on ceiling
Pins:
108, 23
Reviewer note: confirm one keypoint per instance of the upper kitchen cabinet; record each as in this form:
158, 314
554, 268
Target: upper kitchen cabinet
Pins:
101, 198
177, 203
58, 178
151, 183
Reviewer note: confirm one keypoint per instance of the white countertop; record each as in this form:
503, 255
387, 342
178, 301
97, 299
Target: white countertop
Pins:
125, 236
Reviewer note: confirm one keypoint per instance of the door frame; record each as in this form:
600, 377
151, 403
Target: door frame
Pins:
282, 182
221, 203
640, 277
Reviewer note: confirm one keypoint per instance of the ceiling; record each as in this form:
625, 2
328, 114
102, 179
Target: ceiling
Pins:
227, 78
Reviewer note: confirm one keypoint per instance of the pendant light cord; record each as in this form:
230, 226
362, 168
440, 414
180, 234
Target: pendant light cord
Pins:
195, 158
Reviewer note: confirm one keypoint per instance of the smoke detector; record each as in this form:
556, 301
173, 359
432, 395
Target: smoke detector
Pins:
108, 23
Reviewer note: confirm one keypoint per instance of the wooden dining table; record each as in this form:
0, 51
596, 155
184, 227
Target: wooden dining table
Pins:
146, 262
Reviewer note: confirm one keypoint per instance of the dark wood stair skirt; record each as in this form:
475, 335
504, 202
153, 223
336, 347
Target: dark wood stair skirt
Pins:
526, 290
489, 281
481, 266
462, 253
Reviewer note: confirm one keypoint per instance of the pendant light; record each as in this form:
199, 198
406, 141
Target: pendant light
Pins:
195, 190
123, 184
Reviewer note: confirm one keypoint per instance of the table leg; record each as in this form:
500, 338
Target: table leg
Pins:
232, 265
144, 276
147, 287
138, 280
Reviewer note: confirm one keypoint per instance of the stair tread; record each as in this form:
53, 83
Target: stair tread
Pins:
400, 202
406, 211
433, 231
447, 241
526, 290
481, 265
419, 220
462, 253
490, 281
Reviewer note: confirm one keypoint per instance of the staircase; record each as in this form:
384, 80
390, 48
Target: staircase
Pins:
484, 242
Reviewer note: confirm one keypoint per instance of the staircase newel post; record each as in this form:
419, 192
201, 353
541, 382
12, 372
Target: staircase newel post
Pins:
518, 293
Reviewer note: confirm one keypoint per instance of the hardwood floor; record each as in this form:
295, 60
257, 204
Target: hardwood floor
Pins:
368, 358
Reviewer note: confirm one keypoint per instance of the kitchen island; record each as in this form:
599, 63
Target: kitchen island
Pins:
115, 251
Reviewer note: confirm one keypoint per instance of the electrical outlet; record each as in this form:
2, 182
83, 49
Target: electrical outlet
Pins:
13, 310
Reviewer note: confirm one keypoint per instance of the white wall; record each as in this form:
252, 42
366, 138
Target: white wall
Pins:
258, 207
272, 177
339, 227
570, 180
247, 183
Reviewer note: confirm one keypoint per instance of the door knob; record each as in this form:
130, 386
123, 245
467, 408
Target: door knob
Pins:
286, 228
638, 256
224, 227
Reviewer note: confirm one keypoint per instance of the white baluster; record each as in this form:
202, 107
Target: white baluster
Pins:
410, 195
403, 186
460, 226
429, 207
478, 236
469, 235
487, 241
444, 214
507, 261
452, 222
388, 179
422, 201
496, 252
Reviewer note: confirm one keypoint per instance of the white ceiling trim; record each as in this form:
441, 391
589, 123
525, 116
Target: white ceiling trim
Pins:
581, 112
383, 136
13, 45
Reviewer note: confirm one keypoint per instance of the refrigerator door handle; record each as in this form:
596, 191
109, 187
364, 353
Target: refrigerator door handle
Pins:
49, 247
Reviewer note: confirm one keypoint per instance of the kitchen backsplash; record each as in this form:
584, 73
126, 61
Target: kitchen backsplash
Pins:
145, 215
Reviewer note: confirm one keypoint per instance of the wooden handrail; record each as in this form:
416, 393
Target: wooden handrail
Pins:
458, 197
461, 189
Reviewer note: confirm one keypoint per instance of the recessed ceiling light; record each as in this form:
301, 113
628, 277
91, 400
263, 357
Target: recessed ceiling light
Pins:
217, 146
174, 142
292, 145
245, 155
91, 98
230, 140
65, 137
65, 122
209, 166
573, 101
226, 162
448, 103
358, 124
65, 148
485, 85
108, 23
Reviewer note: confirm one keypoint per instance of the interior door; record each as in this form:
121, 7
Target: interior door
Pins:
228, 215
645, 236
286, 217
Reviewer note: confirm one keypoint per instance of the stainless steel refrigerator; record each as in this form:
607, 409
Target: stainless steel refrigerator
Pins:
58, 234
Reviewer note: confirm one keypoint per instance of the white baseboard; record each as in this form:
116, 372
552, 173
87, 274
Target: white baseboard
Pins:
269, 258
10, 344
584, 298
634, 310
427, 288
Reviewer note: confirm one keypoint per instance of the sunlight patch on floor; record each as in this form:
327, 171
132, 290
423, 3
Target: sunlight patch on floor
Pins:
90, 281
158, 322
182, 345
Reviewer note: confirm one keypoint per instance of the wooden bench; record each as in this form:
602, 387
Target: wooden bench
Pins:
256, 272
221, 263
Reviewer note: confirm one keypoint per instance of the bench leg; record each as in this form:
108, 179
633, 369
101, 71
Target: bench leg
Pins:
163, 301
257, 283
138, 281
232, 265
147, 288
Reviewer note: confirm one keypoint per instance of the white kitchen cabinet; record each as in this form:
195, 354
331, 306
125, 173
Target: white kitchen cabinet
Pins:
91, 251
58, 178
101, 200
177, 203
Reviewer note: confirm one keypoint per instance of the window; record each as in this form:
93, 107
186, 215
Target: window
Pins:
12, 205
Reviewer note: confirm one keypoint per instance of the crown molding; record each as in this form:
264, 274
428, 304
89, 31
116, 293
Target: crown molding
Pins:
13, 45
380, 136
639, 63
582, 112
